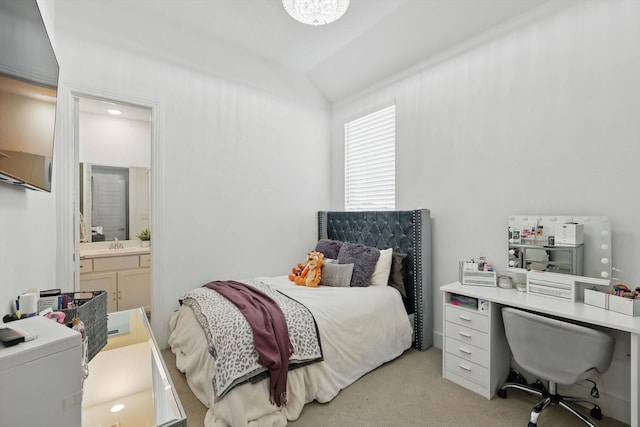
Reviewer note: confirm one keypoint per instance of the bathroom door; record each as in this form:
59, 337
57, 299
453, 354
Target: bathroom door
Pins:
110, 205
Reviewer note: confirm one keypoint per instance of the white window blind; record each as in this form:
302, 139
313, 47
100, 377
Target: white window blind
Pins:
370, 161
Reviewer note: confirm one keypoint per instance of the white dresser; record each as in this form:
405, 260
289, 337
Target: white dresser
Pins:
475, 354
40, 380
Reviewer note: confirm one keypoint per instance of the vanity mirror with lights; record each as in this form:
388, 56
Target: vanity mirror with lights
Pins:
575, 246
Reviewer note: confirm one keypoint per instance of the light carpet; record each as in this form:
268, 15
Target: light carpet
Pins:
408, 391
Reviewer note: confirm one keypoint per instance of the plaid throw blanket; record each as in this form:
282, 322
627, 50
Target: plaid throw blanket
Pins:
230, 336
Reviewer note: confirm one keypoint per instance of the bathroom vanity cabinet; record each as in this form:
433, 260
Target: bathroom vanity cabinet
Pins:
125, 275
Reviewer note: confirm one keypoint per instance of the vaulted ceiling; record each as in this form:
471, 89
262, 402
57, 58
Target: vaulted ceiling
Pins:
373, 41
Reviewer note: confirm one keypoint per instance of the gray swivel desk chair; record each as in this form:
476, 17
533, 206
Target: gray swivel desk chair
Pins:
558, 352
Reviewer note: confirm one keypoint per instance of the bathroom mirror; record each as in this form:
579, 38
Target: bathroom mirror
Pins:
114, 202
114, 143
576, 245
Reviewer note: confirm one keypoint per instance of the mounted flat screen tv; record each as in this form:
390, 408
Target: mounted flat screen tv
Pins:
28, 95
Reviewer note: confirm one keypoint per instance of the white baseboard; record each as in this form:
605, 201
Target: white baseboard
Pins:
437, 340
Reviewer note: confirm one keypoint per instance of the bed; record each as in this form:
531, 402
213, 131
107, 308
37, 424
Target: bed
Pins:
360, 328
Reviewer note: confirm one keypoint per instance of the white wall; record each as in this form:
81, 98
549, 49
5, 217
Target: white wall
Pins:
27, 248
237, 173
112, 141
543, 120
27, 229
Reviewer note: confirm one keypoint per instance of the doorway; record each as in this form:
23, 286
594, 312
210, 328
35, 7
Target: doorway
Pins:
113, 198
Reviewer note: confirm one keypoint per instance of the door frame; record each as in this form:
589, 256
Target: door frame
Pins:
69, 132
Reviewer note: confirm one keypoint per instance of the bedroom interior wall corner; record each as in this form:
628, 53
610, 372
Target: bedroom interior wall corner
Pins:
183, 48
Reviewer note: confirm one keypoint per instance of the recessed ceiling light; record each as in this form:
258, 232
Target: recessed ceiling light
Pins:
117, 408
115, 112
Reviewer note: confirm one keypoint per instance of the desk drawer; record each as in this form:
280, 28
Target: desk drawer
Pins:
466, 369
467, 352
467, 335
477, 321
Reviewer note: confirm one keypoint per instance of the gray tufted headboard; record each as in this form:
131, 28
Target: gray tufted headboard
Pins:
404, 231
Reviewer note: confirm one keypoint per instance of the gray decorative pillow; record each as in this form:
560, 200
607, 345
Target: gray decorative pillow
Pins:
364, 259
337, 275
398, 273
329, 248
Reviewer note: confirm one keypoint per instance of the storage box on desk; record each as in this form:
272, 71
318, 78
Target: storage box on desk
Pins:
596, 298
478, 277
91, 308
628, 306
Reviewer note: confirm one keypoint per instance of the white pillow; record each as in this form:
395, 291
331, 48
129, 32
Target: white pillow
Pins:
380, 276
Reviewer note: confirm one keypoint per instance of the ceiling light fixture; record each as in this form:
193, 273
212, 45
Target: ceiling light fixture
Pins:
115, 112
316, 12
117, 407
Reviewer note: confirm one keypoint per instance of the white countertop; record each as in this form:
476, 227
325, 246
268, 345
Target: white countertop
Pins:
552, 306
105, 252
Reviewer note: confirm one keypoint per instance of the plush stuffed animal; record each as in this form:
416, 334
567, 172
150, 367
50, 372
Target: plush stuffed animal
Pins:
308, 274
297, 270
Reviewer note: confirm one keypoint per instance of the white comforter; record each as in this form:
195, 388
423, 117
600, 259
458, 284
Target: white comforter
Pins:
360, 329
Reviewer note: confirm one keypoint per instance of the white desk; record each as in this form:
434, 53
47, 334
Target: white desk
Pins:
574, 311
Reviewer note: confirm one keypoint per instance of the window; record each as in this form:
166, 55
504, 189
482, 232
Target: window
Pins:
370, 161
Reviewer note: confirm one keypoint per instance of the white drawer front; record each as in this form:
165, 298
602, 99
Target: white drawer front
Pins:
468, 352
467, 318
467, 335
86, 266
466, 368
145, 260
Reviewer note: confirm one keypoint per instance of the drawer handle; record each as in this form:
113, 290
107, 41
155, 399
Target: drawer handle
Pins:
466, 368
466, 318
465, 334
464, 350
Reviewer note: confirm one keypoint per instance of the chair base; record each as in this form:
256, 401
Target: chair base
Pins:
551, 398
